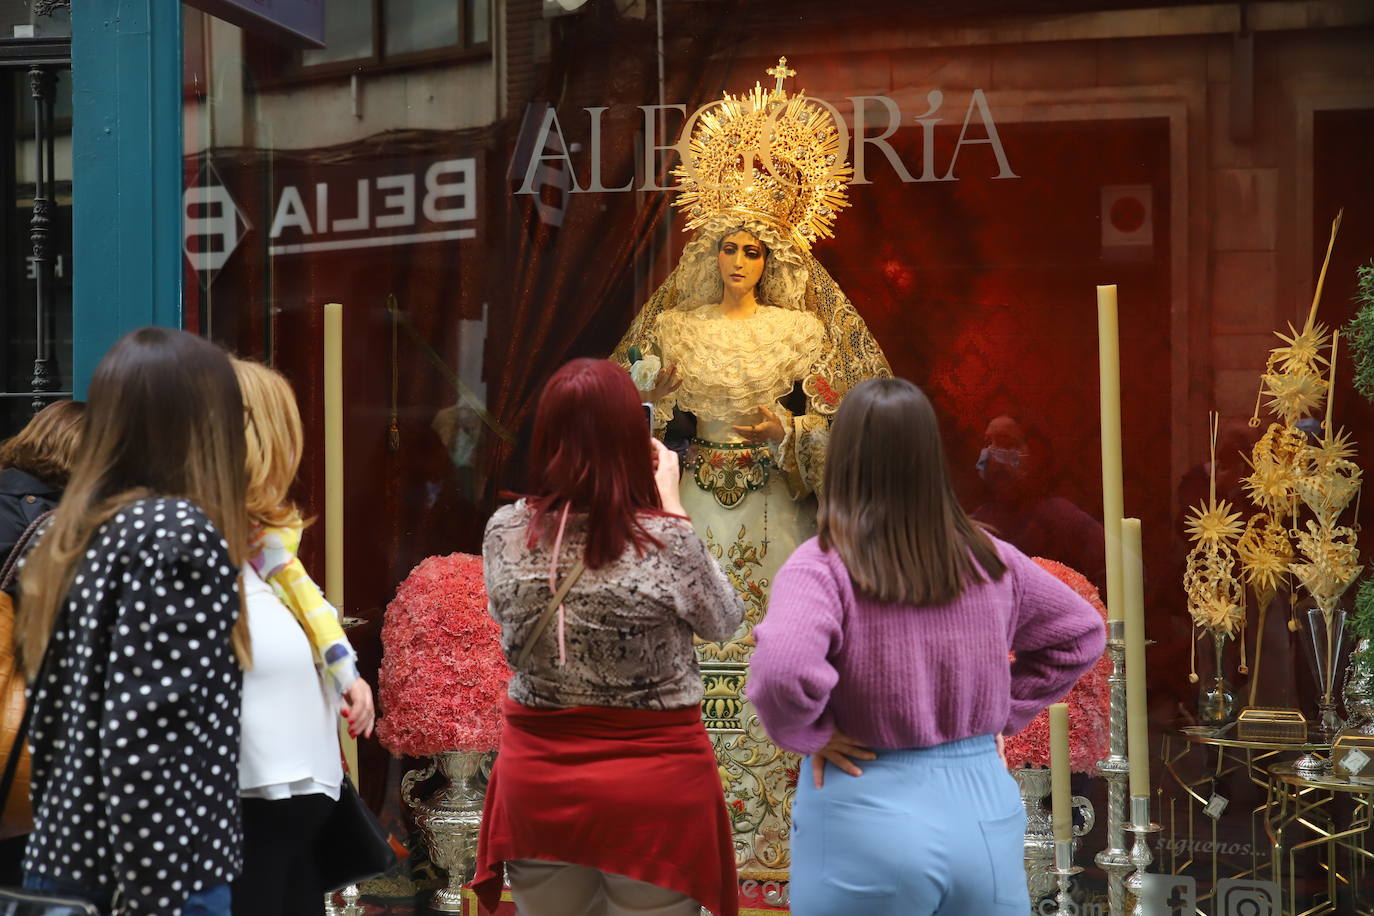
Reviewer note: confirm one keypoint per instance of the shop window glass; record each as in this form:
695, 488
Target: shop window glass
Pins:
348, 33
397, 31
419, 25
480, 11
486, 217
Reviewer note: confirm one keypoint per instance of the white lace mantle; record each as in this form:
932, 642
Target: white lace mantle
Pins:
728, 367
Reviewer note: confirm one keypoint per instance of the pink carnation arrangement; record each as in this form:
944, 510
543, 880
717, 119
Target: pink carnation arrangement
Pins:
1089, 701
443, 674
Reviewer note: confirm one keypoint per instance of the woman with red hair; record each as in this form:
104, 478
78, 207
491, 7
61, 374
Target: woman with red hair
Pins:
605, 797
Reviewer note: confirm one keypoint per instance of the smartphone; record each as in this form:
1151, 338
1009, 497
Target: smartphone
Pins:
648, 416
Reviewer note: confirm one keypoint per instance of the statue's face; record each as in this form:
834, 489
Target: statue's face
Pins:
741, 258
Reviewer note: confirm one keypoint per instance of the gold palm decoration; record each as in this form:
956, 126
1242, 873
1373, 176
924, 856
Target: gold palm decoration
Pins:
1289, 473
1329, 484
1216, 601
1274, 462
1266, 554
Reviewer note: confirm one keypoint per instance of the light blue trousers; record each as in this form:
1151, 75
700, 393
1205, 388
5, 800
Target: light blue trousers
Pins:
931, 832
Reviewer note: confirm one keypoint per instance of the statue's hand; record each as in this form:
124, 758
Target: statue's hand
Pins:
665, 383
769, 431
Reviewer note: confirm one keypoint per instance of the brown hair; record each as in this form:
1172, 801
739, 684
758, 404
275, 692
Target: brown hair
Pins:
165, 419
46, 447
888, 507
274, 441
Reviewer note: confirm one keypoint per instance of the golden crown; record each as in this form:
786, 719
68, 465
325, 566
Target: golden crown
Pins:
769, 156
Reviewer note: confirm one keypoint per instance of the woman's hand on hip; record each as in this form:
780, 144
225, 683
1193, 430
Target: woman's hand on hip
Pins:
359, 709
769, 431
842, 751
667, 476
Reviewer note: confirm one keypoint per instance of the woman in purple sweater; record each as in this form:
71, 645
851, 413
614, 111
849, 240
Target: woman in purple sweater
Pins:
886, 641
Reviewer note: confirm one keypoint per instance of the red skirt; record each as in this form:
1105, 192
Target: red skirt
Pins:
634, 792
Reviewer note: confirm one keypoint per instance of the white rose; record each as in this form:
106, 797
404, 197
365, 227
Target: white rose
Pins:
645, 372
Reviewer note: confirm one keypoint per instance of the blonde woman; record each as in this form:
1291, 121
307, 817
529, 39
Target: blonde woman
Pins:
289, 768
129, 628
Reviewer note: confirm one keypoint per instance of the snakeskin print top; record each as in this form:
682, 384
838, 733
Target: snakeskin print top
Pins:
628, 626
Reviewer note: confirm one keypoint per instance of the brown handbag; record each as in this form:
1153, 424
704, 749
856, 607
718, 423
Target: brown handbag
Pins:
17, 815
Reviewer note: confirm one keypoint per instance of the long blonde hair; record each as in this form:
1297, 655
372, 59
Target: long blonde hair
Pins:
274, 438
164, 419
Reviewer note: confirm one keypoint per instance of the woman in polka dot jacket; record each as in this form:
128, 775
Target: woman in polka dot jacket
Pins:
134, 728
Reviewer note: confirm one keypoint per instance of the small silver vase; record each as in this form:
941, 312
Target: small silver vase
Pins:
1359, 693
449, 819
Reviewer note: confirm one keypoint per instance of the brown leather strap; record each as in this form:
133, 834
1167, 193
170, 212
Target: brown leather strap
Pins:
20, 547
563, 588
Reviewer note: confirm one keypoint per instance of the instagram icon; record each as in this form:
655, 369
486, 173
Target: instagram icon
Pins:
1247, 898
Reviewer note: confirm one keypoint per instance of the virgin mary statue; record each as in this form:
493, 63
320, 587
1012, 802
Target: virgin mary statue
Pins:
746, 351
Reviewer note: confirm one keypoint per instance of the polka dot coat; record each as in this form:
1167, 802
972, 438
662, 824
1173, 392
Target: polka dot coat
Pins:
135, 724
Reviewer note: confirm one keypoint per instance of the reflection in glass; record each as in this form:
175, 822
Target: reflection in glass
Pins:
347, 33
481, 22
17, 20
419, 25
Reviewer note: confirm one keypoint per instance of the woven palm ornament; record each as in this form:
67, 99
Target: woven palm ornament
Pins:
1216, 600
1300, 487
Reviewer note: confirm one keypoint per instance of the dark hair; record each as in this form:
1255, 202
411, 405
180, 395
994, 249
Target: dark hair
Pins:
165, 419
888, 507
591, 452
46, 447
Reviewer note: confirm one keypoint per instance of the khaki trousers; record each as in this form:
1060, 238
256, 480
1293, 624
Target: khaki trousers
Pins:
559, 889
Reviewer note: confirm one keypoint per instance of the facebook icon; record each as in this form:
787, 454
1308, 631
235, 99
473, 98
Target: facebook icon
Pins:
1168, 895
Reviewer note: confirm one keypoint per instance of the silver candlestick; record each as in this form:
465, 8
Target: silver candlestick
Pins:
1115, 859
1064, 870
350, 907
1140, 850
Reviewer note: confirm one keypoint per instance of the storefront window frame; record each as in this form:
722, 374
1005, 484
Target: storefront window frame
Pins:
290, 68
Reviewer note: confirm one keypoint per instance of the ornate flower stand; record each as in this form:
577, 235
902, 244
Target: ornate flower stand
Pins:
449, 818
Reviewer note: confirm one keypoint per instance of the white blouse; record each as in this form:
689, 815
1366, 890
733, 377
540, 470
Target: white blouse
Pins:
290, 743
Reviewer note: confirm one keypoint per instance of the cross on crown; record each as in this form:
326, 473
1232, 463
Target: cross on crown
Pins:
780, 73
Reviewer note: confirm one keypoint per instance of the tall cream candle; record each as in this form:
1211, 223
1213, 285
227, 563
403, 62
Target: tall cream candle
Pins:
333, 456
1137, 708
1060, 797
334, 487
1109, 392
